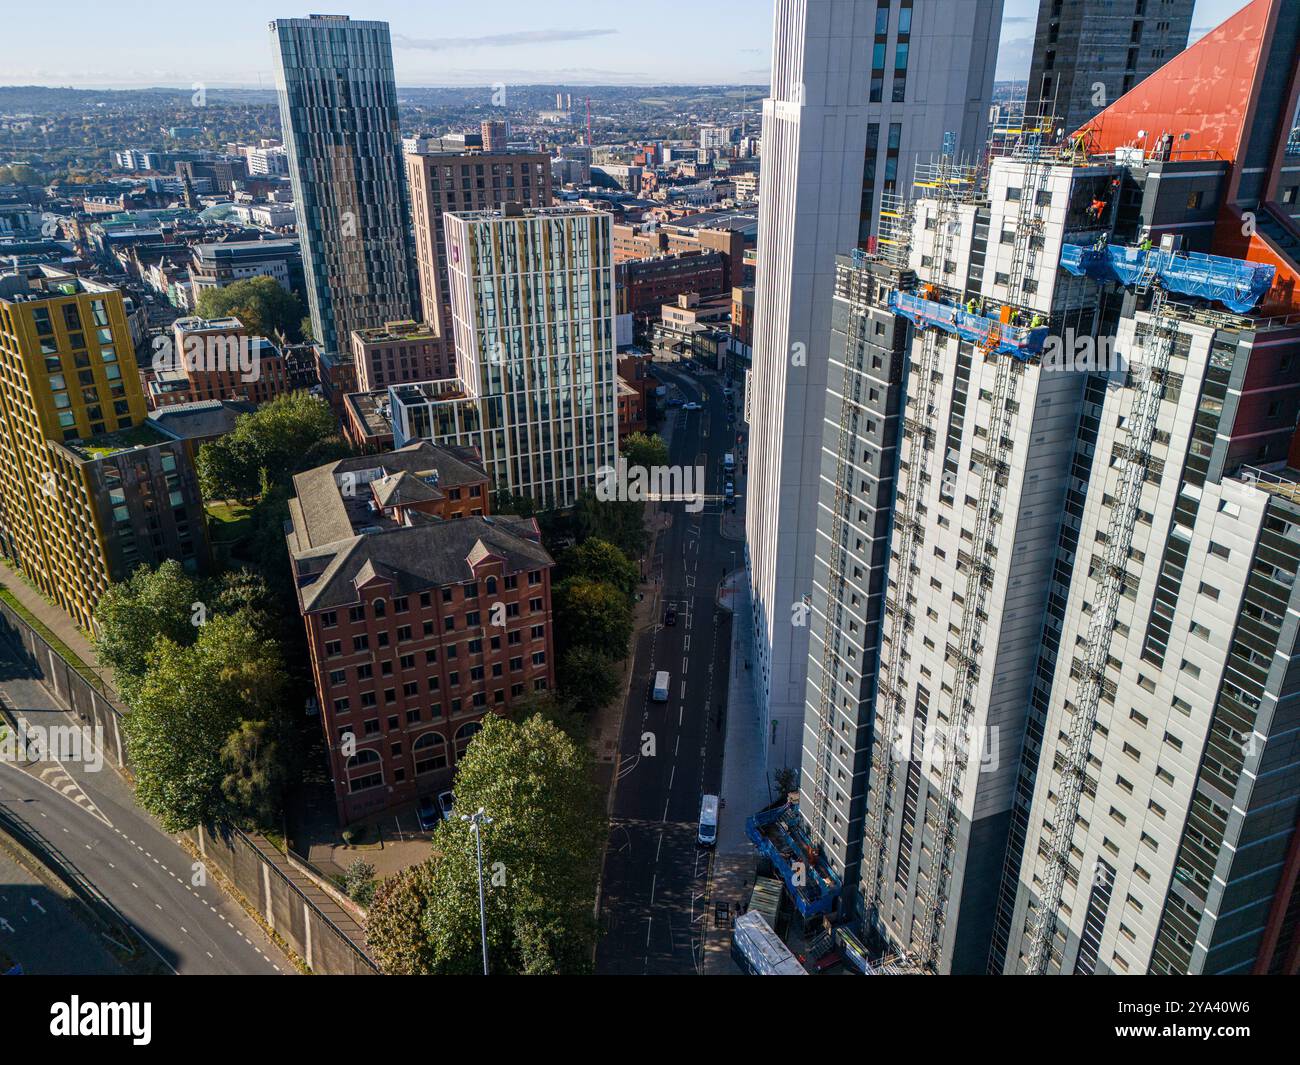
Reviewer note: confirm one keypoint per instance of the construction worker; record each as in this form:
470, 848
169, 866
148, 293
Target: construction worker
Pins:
1036, 321
1145, 245
971, 306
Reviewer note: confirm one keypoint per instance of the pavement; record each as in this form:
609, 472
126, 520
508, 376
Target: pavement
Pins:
56, 621
87, 813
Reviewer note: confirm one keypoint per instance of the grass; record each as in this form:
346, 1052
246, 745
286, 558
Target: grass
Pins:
60, 648
230, 520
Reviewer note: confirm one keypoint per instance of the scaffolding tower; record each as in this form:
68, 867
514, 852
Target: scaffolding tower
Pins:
1157, 343
1036, 154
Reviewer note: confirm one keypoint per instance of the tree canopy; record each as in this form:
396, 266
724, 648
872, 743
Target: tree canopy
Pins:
268, 446
540, 858
262, 304
185, 708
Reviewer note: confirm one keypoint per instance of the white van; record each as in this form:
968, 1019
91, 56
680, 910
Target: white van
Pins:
708, 833
661, 686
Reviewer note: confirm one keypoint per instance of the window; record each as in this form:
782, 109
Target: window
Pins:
464, 734
364, 771
430, 753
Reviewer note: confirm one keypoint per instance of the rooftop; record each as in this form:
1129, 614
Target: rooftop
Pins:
333, 506
146, 434
199, 421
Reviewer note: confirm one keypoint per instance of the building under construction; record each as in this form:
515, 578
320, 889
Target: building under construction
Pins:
1052, 656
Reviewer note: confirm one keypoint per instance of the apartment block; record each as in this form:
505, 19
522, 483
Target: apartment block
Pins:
88, 488
860, 91
464, 181
868, 355
216, 359
533, 311
401, 352
423, 614
1089, 53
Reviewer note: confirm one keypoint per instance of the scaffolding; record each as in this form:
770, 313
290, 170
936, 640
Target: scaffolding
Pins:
1156, 343
993, 467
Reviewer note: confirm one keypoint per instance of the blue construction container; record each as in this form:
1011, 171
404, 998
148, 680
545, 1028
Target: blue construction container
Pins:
780, 835
1236, 283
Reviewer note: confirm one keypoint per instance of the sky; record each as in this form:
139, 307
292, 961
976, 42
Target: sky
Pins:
143, 43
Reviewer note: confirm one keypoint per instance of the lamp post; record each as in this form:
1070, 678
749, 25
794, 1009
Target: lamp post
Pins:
476, 820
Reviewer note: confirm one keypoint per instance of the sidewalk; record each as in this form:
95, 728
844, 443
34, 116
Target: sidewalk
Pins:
744, 783
57, 622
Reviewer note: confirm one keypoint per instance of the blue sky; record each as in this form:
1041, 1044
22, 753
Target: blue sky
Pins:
135, 43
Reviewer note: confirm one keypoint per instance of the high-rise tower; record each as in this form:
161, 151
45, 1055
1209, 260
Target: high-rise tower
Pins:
837, 132
338, 109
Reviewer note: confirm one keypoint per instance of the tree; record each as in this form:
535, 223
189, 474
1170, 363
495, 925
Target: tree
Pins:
540, 857
267, 446
620, 522
393, 923
254, 775
132, 616
642, 449
599, 560
261, 304
184, 709
593, 615
590, 679
359, 882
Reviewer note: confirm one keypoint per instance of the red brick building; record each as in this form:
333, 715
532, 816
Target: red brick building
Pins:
645, 285
400, 353
216, 359
423, 614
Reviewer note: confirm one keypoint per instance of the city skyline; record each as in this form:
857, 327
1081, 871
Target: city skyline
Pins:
457, 47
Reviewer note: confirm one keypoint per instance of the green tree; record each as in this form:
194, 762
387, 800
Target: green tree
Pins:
394, 926
620, 522
590, 679
262, 304
268, 446
186, 706
645, 449
253, 781
133, 615
593, 615
599, 560
540, 854
359, 882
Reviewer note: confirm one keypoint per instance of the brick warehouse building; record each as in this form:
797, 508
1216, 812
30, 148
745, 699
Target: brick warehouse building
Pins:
423, 613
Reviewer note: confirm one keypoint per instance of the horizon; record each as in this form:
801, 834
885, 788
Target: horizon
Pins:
700, 39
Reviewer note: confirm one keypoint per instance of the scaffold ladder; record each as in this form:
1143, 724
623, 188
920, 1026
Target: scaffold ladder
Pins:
979, 577
1157, 347
835, 584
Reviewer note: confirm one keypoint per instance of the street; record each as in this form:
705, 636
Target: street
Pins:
88, 815
656, 879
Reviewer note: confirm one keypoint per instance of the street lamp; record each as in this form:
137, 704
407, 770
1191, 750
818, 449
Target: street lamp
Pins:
476, 820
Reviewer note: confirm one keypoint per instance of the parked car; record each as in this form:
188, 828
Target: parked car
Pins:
670, 616
446, 801
426, 812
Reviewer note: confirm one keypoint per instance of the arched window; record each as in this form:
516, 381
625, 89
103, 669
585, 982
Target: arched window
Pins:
464, 734
492, 586
364, 771
430, 752
381, 608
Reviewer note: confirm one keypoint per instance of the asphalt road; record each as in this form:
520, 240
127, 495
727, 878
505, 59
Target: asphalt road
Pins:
89, 817
655, 884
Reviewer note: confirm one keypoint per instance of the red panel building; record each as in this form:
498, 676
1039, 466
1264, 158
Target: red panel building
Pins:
1232, 96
